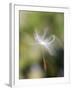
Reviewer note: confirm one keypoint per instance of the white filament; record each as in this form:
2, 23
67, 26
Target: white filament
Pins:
48, 43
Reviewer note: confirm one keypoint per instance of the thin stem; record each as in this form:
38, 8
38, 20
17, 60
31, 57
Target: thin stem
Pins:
44, 61
44, 64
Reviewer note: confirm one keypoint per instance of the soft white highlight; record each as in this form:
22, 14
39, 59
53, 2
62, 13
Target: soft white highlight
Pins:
47, 42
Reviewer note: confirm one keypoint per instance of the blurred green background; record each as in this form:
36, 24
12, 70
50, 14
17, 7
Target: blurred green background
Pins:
31, 63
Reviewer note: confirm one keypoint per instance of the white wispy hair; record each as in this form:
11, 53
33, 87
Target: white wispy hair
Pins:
48, 42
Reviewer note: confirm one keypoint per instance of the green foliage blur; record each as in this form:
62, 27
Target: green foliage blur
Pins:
31, 63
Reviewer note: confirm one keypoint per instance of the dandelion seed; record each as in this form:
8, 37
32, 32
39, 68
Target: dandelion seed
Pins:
47, 43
